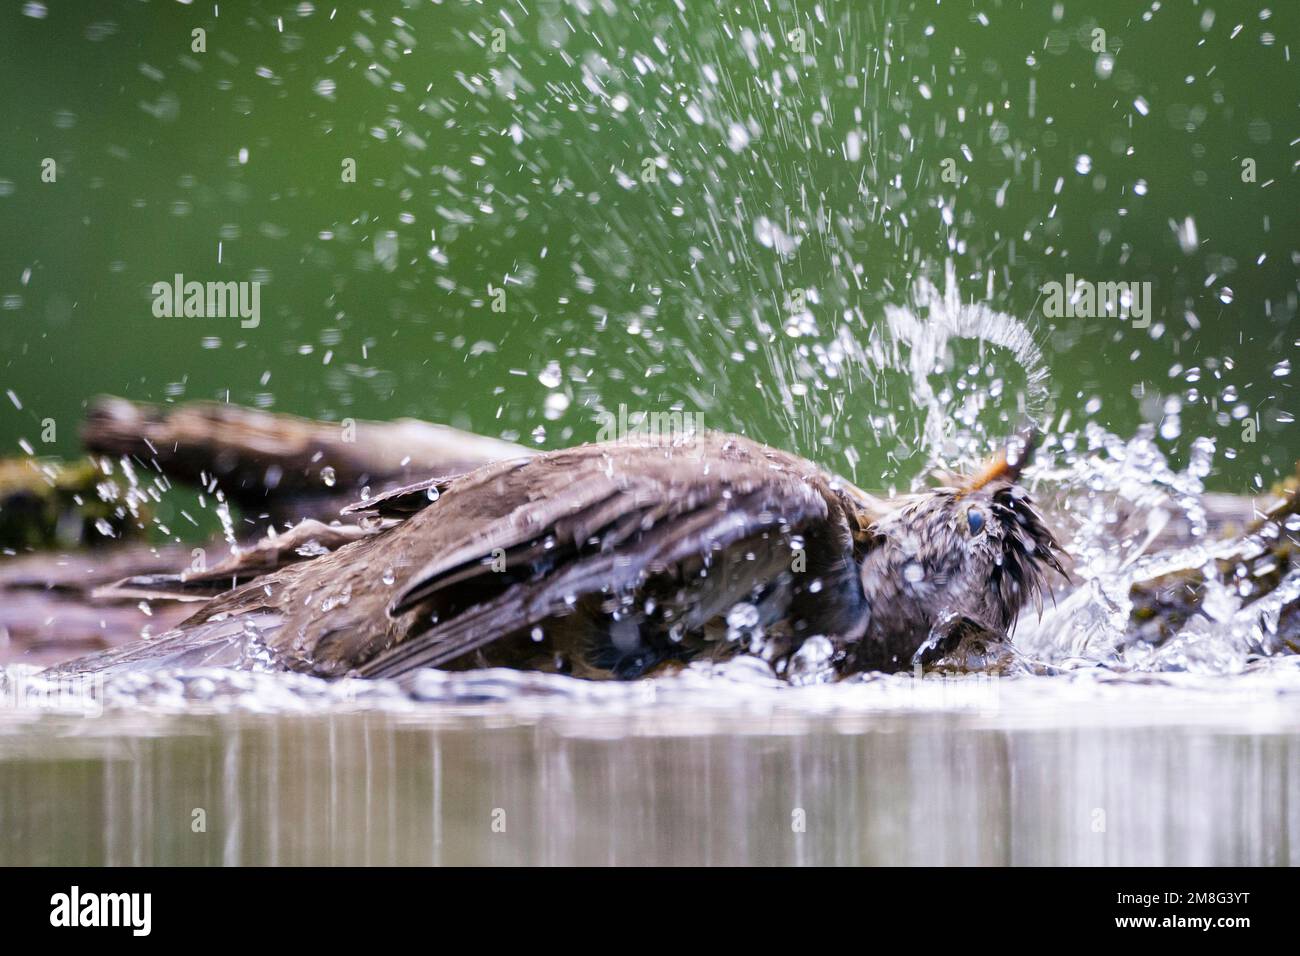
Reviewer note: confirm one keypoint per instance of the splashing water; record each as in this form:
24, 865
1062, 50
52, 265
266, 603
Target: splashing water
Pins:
1130, 521
953, 428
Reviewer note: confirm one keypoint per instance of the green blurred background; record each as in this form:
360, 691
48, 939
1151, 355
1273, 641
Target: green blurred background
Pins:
776, 169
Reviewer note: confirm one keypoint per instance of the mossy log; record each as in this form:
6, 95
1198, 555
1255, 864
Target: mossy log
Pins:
50, 504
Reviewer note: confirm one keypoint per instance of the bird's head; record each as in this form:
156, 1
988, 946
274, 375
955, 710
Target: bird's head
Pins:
956, 562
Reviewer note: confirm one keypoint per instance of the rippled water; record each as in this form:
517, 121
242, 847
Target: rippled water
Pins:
498, 767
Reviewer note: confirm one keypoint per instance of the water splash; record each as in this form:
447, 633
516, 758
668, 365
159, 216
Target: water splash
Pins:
1150, 561
920, 338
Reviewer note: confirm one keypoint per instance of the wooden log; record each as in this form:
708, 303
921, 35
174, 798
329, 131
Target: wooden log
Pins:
48, 613
282, 465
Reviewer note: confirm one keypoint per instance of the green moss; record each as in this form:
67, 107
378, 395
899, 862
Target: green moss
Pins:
45, 503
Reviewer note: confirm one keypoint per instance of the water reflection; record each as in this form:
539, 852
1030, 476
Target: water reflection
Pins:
388, 788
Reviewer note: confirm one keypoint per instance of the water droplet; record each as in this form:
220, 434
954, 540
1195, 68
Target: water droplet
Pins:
737, 137
555, 405
551, 375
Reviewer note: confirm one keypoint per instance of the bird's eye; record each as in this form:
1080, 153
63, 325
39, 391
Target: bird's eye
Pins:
976, 521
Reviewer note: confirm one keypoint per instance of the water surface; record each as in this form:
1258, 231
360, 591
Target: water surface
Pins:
1092, 770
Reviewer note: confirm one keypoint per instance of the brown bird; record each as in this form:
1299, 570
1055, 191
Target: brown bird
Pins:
617, 559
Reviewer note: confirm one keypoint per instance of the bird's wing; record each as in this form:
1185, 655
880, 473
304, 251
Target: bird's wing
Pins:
514, 543
508, 547
405, 500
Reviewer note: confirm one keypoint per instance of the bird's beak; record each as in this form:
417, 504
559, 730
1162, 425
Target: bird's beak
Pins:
1006, 465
